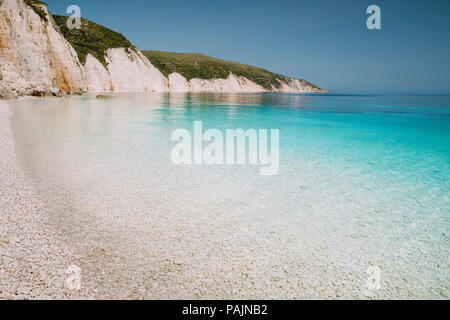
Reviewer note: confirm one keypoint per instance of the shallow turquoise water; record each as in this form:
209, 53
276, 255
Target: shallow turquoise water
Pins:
366, 176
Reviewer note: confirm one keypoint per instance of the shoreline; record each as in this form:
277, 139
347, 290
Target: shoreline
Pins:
33, 258
141, 246
108, 94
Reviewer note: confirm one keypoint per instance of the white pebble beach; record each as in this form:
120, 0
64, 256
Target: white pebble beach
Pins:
131, 242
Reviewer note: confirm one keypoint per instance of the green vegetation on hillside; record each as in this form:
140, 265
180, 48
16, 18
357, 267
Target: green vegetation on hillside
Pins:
91, 38
36, 6
196, 65
96, 40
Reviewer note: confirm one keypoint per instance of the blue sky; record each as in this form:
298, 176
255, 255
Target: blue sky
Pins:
323, 41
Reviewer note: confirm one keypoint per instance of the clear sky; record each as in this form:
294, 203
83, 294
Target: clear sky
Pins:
323, 41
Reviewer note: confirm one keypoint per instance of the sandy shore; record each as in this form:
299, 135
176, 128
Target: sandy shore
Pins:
33, 261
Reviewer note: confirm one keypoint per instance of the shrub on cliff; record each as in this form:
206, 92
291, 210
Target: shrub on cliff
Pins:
36, 5
91, 38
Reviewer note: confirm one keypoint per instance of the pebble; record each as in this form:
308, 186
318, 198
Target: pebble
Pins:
164, 252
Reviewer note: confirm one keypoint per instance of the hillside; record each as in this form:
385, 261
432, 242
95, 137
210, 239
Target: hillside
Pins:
91, 38
97, 59
196, 65
37, 5
95, 39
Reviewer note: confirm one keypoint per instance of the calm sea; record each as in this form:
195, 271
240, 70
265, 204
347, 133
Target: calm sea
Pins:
364, 180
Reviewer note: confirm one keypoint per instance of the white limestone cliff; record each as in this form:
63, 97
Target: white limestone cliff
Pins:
295, 85
127, 70
231, 84
33, 54
234, 83
178, 83
35, 58
97, 77
131, 71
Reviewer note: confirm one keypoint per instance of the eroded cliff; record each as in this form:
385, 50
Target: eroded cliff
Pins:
40, 55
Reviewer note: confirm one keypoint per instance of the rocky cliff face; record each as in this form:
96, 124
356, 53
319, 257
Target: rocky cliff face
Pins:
132, 72
234, 83
126, 71
34, 56
36, 59
231, 84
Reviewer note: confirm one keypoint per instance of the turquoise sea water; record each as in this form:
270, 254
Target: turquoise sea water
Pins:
363, 179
